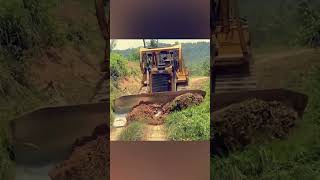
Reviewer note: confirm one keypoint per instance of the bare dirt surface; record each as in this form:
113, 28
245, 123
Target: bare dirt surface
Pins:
88, 160
252, 121
198, 82
115, 133
130, 85
155, 133
153, 115
146, 113
274, 70
67, 74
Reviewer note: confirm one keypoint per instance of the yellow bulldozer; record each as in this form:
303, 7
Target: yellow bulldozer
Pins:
163, 69
233, 78
164, 77
233, 62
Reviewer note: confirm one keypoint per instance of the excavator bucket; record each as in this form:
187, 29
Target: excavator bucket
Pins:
47, 134
124, 104
294, 100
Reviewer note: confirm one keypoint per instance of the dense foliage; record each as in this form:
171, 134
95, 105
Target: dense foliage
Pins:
118, 67
309, 18
281, 23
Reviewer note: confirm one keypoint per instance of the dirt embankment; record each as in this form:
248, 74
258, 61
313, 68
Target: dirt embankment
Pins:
66, 75
154, 114
89, 158
252, 121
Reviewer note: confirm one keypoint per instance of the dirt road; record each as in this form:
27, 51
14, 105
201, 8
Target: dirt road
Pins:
198, 82
155, 133
158, 132
277, 70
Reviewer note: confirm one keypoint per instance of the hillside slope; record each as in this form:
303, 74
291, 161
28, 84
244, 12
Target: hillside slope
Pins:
50, 54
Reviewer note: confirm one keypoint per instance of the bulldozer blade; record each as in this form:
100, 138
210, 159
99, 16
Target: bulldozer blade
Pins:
124, 104
292, 99
47, 134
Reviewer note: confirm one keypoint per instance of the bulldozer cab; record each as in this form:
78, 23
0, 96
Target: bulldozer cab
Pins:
162, 68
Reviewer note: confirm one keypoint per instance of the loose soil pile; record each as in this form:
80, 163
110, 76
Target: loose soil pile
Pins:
89, 158
252, 121
146, 113
154, 114
182, 102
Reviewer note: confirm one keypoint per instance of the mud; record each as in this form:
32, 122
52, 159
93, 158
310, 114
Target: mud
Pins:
250, 122
146, 113
89, 158
154, 114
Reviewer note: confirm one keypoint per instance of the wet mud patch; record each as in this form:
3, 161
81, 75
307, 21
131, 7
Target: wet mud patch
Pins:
154, 114
250, 122
88, 160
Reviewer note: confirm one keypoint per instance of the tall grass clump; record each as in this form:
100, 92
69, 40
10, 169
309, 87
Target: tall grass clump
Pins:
191, 124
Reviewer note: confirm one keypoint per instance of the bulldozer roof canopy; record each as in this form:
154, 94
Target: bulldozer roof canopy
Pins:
161, 49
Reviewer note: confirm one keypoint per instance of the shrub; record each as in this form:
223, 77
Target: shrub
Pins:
118, 68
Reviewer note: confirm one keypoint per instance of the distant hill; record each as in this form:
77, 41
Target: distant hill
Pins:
192, 52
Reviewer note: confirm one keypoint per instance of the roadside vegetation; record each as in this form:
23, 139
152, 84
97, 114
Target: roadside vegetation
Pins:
119, 70
191, 124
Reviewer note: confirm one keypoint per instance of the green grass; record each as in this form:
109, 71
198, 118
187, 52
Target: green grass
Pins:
297, 157
134, 132
191, 124
6, 165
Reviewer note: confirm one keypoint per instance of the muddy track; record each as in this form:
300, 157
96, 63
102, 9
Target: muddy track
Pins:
155, 133
158, 132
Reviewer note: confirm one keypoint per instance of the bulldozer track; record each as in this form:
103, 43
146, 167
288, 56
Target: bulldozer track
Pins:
235, 82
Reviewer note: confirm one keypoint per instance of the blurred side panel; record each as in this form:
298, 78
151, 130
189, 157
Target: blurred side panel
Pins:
160, 160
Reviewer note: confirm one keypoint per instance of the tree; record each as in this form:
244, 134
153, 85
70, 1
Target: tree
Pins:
113, 44
309, 20
154, 43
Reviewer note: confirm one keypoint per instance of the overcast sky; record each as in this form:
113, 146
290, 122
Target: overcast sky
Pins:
123, 44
